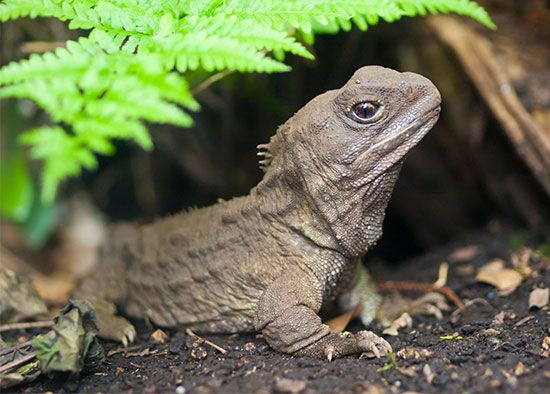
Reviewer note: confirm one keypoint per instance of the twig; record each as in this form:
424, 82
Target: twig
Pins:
209, 81
14, 348
26, 325
212, 344
469, 303
17, 363
422, 288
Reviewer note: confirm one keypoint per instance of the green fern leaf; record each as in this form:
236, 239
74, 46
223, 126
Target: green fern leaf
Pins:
128, 70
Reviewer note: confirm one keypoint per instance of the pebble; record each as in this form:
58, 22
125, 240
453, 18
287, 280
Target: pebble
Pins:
180, 390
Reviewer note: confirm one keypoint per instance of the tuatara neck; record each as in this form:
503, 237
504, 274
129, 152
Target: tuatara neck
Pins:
332, 215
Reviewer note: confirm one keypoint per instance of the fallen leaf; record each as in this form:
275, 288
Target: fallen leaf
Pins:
403, 321
506, 280
71, 345
339, 323
538, 298
159, 337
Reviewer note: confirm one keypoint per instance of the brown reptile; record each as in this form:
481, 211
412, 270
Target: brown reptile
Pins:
270, 260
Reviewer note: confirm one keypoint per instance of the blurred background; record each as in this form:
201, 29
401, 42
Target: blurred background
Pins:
485, 165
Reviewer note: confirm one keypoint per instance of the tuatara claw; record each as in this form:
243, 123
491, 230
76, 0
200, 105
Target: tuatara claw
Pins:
116, 328
329, 352
372, 344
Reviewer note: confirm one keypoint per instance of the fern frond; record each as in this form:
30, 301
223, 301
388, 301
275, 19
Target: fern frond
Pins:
63, 156
461, 7
129, 69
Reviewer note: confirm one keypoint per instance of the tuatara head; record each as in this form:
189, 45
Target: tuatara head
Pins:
344, 149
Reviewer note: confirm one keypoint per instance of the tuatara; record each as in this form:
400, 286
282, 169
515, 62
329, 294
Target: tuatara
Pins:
270, 260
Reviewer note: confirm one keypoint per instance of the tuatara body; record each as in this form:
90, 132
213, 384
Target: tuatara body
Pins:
270, 260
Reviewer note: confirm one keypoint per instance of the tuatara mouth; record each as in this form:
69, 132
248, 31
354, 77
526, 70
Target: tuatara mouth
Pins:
416, 129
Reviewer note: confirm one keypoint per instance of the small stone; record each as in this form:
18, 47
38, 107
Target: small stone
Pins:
292, 386
249, 346
428, 373
520, 369
495, 383
180, 390
546, 347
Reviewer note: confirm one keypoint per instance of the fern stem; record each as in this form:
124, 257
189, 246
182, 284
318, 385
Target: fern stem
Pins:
209, 81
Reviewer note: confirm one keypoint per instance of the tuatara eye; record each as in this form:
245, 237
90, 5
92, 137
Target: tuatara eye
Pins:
366, 111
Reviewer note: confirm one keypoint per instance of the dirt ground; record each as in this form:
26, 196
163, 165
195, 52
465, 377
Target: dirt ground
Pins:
475, 351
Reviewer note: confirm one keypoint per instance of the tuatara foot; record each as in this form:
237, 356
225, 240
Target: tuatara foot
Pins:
115, 328
110, 326
373, 345
338, 345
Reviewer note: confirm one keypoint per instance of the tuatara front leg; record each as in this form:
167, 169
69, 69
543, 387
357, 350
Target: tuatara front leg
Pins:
287, 317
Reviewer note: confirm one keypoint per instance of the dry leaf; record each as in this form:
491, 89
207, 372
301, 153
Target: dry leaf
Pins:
506, 280
539, 298
159, 337
404, 320
339, 323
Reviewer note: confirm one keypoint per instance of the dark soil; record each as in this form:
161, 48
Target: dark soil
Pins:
489, 357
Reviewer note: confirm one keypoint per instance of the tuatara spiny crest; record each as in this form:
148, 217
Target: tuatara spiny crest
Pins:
269, 261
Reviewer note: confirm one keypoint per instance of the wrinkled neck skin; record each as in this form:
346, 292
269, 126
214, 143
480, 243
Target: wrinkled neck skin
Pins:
327, 210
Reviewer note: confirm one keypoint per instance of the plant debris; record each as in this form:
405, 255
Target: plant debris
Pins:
159, 337
70, 346
506, 280
403, 321
538, 298
209, 343
338, 324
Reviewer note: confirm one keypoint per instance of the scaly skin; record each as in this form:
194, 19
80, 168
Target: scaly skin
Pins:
268, 261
